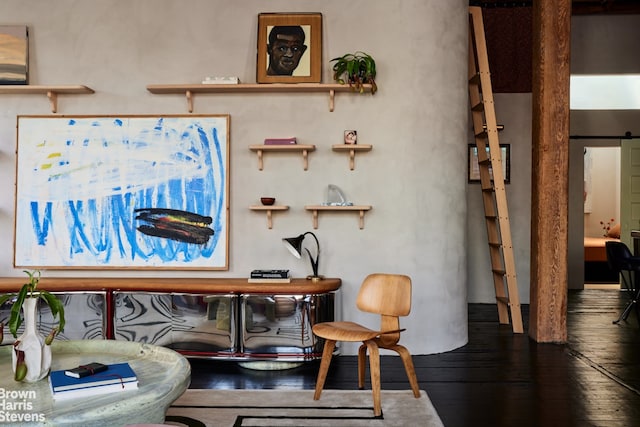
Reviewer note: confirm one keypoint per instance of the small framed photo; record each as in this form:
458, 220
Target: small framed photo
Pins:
289, 48
474, 167
350, 137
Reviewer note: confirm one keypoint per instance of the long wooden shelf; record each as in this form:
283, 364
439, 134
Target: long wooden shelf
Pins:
191, 89
52, 92
178, 285
361, 209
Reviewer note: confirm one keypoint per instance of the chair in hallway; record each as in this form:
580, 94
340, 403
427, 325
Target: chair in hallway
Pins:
622, 261
390, 296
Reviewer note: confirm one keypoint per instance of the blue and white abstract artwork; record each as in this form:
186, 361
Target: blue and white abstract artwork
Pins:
122, 192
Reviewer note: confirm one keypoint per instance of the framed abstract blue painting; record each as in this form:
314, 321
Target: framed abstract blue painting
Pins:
122, 192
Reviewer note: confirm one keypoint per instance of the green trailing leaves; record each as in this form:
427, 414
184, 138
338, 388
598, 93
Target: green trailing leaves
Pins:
357, 69
57, 309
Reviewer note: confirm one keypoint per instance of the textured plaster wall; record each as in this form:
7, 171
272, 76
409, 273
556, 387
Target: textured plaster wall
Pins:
417, 123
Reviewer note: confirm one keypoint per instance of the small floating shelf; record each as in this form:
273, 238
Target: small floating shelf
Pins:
269, 210
315, 209
304, 148
52, 92
190, 89
351, 149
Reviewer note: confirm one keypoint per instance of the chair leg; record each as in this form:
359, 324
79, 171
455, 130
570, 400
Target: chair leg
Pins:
632, 288
408, 367
327, 354
362, 354
374, 368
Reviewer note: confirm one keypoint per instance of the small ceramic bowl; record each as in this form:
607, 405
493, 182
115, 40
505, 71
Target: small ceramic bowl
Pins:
267, 201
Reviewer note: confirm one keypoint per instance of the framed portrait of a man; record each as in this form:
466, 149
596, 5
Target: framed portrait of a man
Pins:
289, 48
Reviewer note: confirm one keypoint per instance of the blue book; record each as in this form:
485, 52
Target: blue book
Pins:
118, 376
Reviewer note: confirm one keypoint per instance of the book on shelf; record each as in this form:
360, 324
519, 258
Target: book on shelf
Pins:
269, 280
280, 141
269, 274
117, 377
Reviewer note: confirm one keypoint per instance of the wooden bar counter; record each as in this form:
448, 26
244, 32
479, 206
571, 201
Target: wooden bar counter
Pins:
187, 285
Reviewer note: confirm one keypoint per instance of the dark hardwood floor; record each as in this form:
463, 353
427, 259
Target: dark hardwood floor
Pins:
499, 378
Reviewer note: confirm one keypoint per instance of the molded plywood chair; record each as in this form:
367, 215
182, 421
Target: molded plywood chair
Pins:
621, 260
390, 296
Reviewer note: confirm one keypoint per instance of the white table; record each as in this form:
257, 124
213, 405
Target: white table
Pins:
163, 376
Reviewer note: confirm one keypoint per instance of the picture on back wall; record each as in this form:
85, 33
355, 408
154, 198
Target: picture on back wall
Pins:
122, 192
289, 48
14, 55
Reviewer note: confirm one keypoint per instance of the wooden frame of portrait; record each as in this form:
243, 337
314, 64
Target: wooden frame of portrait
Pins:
474, 168
309, 67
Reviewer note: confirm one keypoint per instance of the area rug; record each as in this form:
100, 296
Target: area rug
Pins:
276, 408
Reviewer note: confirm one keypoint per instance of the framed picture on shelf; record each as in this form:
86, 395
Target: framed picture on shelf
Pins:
474, 168
289, 48
14, 55
350, 137
122, 192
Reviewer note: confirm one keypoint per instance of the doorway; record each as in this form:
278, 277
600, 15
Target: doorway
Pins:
594, 207
601, 213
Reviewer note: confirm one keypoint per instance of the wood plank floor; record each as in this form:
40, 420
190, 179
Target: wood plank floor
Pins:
498, 378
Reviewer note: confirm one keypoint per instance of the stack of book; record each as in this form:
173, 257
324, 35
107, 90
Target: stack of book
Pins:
273, 276
117, 377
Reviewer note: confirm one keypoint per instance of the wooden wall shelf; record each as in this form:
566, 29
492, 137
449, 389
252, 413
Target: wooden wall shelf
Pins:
269, 210
304, 148
361, 209
191, 89
351, 149
52, 92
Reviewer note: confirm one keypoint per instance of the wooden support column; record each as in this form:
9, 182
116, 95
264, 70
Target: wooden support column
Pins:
550, 168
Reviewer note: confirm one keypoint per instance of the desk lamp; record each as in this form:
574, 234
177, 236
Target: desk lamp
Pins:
294, 244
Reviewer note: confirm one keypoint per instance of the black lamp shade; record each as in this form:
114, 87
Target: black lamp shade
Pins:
294, 244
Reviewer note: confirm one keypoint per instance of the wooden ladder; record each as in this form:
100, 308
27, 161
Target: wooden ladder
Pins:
492, 182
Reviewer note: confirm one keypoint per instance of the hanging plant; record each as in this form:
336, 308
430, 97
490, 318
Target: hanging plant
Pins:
357, 69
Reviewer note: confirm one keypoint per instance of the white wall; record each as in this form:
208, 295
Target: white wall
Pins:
605, 190
415, 177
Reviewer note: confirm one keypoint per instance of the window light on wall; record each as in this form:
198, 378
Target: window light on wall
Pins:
605, 92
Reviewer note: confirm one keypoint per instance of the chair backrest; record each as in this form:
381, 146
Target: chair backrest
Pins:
619, 257
385, 294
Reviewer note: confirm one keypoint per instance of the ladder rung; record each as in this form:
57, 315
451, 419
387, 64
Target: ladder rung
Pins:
478, 107
503, 300
484, 161
475, 79
488, 189
495, 244
482, 134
